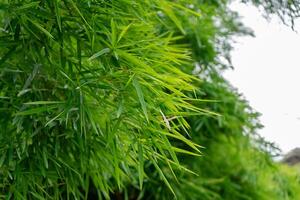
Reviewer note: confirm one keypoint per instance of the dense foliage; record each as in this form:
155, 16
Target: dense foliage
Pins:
125, 99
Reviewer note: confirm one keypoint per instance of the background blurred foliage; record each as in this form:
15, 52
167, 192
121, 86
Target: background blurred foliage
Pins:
116, 100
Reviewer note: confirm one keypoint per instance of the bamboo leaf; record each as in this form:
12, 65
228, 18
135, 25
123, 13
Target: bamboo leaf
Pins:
36, 110
140, 96
43, 102
45, 158
169, 11
113, 33
40, 28
99, 53
2, 159
58, 13
162, 175
141, 165
123, 32
80, 14
27, 6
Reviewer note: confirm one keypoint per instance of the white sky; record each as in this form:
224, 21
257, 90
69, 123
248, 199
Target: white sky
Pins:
267, 72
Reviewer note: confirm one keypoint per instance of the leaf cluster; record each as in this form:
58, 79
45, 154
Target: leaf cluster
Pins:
90, 90
111, 99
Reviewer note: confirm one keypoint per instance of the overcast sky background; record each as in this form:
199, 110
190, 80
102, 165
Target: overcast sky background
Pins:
267, 72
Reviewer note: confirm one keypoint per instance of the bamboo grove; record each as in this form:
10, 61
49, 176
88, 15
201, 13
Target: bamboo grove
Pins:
124, 99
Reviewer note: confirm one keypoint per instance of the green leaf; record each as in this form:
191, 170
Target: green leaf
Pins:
44, 102
54, 118
36, 110
57, 13
2, 159
140, 94
161, 174
26, 6
45, 157
123, 32
40, 28
113, 33
168, 9
37, 196
99, 53
8, 55
141, 165
81, 15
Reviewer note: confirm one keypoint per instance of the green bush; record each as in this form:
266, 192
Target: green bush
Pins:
102, 99
84, 89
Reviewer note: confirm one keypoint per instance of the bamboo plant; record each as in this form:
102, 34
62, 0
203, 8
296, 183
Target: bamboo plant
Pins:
99, 98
